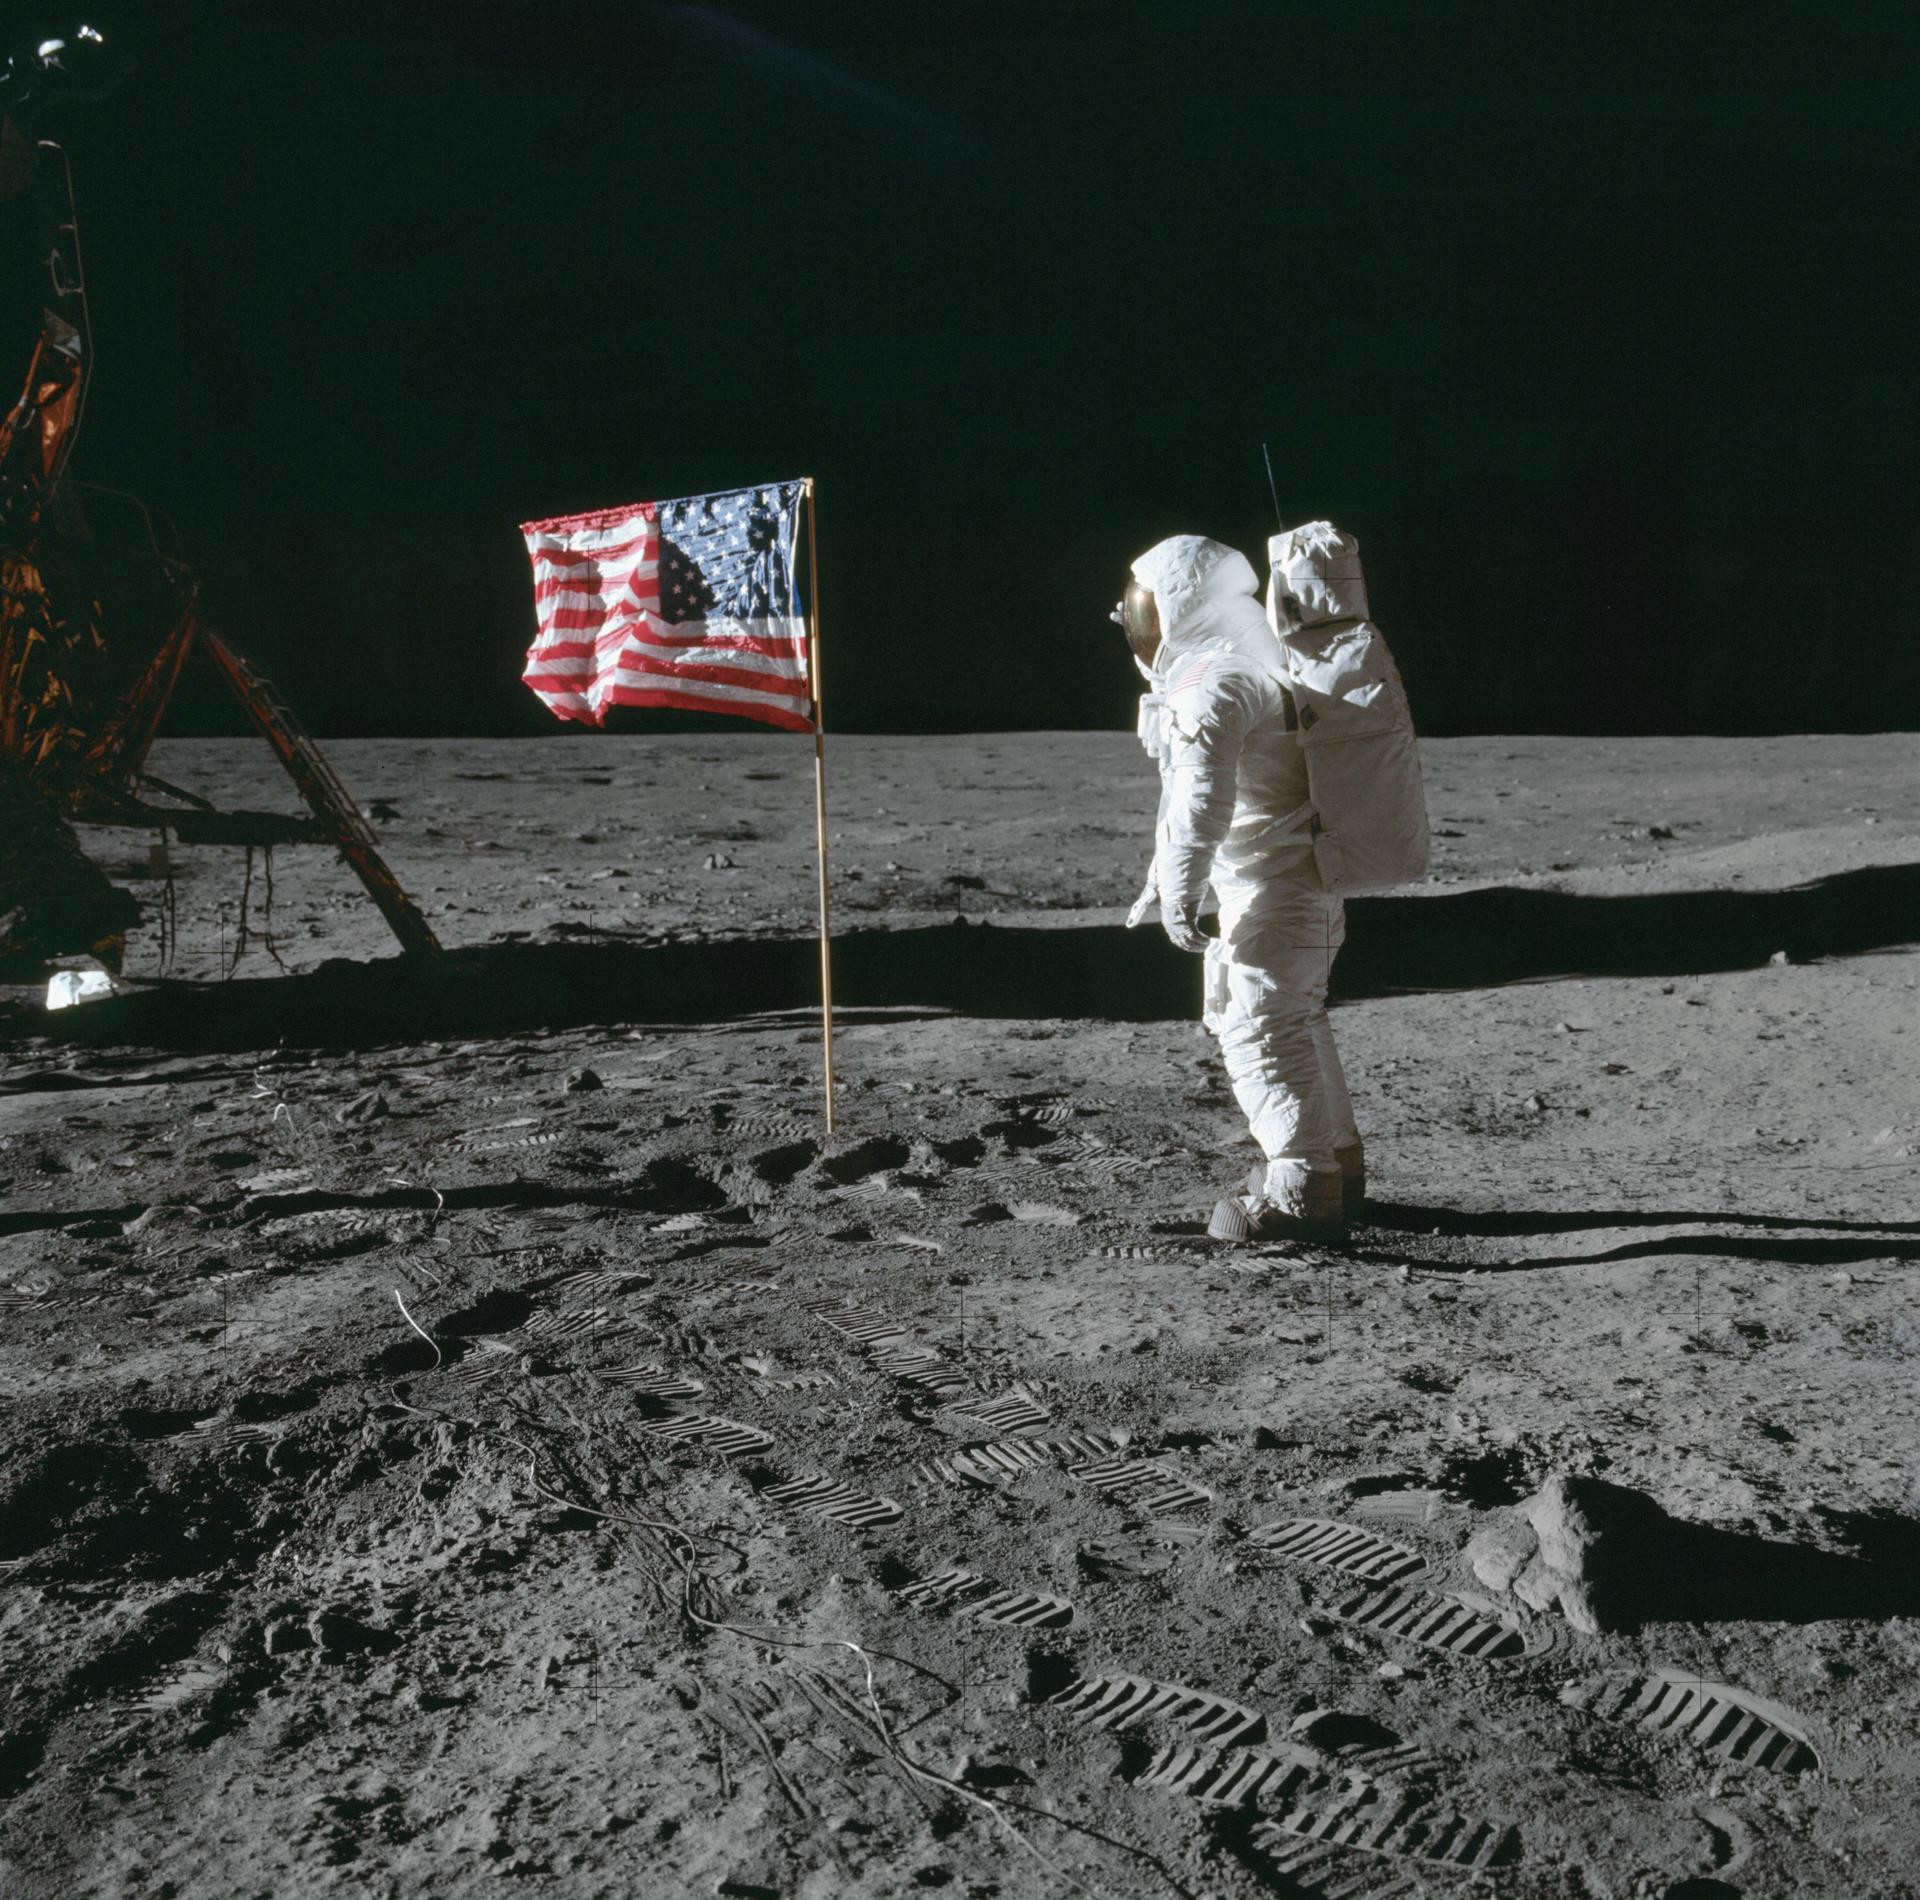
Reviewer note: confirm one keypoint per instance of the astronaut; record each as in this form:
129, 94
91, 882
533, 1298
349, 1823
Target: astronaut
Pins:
1222, 718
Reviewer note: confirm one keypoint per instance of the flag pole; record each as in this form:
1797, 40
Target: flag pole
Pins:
820, 796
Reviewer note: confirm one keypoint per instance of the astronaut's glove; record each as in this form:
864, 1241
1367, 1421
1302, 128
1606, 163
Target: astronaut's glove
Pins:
1183, 928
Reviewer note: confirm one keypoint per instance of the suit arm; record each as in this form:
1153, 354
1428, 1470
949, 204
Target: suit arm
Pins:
1206, 726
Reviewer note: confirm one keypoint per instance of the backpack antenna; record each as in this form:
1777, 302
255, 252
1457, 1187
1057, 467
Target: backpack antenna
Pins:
1279, 521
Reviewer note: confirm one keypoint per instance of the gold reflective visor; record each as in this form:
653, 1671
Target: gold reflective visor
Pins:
1138, 617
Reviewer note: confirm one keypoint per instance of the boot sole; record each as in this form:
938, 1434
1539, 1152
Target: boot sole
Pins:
1353, 1195
1231, 1222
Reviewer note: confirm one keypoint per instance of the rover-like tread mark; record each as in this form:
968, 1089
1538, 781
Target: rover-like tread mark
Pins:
1725, 1722
709, 1432
1121, 1702
1142, 1485
1321, 1540
817, 1496
1426, 1616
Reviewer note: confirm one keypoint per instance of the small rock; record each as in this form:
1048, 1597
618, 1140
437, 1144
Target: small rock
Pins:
1779, 960
1044, 1214
274, 1179
1659, 831
719, 861
1534, 1105
341, 1634
285, 1636
583, 1082
1391, 1671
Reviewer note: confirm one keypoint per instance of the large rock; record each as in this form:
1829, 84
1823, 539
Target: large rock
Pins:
1607, 1558
1588, 1549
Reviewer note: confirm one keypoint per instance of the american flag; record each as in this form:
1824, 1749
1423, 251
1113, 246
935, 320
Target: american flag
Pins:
691, 603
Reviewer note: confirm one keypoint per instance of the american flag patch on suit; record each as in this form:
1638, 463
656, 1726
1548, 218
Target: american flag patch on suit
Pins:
692, 603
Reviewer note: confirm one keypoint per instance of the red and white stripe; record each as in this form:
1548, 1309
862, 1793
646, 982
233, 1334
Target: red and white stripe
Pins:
602, 642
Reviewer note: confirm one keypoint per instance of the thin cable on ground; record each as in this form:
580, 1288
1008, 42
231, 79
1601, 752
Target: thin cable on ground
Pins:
438, 1357
991, 1804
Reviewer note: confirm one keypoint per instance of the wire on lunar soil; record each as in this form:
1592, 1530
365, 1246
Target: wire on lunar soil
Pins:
916, 1769
799, 1803
991, 1805
438, 1356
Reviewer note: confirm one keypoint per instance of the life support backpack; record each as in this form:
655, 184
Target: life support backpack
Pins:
1356, 731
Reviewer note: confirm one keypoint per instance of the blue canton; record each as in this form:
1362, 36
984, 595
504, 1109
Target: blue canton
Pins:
730, 556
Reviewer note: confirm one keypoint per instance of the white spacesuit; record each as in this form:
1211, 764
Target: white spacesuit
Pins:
1235, 812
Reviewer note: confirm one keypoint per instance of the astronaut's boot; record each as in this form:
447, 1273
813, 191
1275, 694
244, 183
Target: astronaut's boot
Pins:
1285, 1200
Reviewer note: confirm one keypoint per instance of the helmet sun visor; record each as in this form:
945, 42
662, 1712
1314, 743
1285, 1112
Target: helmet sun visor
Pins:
1139, 619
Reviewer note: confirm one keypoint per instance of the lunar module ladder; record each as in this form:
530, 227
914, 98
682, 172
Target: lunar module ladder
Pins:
327, 798
36, 436
115, 763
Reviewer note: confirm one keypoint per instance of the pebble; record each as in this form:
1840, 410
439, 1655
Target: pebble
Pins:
1391, 1671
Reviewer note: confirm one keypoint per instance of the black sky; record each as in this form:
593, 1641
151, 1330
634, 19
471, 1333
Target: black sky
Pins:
1594, 322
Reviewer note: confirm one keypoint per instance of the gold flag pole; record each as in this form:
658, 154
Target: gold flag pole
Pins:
820, 795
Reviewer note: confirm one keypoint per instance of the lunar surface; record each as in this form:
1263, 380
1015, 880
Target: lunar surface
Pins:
475, 1420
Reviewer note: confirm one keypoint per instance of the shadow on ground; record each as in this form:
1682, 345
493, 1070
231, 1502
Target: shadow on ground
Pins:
1696, 1573
1787, 1240
1413, 1217
1395, 945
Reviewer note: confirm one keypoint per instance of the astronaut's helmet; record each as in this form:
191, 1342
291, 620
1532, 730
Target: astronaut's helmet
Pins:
1138, 616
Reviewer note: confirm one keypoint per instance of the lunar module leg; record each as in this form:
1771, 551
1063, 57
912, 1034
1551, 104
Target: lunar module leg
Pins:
328, 799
